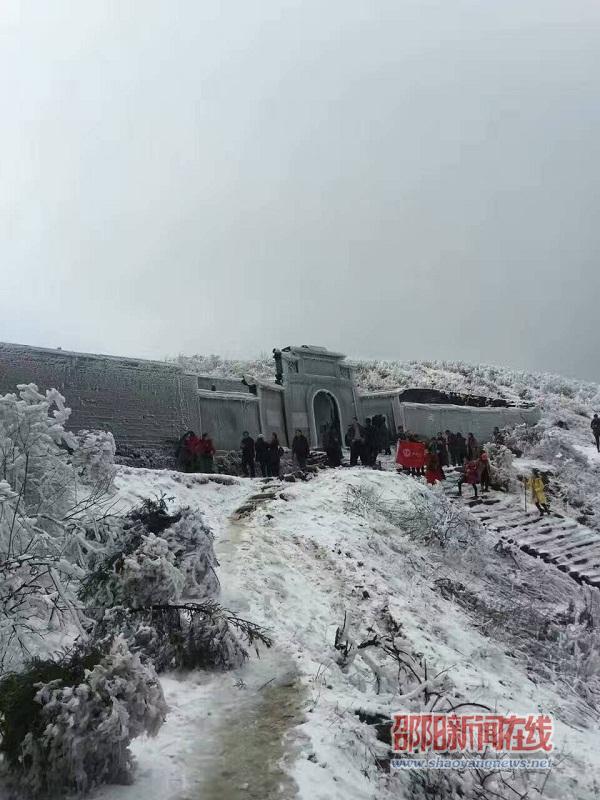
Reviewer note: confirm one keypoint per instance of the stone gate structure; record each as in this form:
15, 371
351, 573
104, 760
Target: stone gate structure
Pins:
149, 404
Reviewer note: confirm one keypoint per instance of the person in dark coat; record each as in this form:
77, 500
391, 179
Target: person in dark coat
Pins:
355, 440
451, 442
370, 442
442, 450
261, 451
388, 439
300, 448
382, 434
473, 449
484, 472
184, 451
248, 455
275, 452
595, 426
461, 449
332, 445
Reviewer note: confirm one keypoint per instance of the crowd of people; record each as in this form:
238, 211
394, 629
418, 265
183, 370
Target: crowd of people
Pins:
267, 454
367, 441
196, 454
415, 455
430, 457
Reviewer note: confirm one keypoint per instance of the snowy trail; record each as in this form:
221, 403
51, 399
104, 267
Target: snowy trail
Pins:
229, 736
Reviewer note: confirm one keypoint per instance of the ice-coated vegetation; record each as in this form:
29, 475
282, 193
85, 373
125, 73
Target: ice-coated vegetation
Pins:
92, 604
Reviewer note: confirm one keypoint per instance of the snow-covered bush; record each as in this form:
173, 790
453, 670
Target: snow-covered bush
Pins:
157, 587
425, 515
157, 558
94, 458
182, 636
502, 472
67, 725
148, 576
191, 540
37, 503
34, 452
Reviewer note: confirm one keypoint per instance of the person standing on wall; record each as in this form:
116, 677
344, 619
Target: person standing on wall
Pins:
261, 450
248, 455
206, 453
595, 426
300, 448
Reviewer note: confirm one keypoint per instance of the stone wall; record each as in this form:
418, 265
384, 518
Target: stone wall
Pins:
143, 403
427, 420
148, 404
385, 403
225, 416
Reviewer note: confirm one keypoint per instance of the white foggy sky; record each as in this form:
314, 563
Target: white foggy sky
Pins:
388, 178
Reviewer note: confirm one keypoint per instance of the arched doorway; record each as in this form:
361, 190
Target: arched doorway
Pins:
326, 413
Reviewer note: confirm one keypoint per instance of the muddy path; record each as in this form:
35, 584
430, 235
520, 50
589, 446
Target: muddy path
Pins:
248, 744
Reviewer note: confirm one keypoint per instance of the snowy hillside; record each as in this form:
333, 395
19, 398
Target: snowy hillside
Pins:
553, 392
430, 621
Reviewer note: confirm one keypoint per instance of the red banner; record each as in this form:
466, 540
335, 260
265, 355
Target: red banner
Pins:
411, 454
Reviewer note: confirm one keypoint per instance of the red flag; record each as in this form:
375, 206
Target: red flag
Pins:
410, 454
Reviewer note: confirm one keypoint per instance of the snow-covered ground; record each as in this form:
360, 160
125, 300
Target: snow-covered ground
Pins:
286, 724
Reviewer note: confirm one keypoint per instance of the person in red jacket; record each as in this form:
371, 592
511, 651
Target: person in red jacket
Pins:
470, 475
206, 454
433, 468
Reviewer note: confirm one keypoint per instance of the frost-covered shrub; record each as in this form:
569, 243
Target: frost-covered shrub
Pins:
522, 438
37, 506
148, 576
555, 444
94, 458
182, 636
191, 540
158, 558
211, 642
34, 451
425, 515
157, 588
502, 472
67, 725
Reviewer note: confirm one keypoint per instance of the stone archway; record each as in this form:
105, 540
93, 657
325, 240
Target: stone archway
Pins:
326, 412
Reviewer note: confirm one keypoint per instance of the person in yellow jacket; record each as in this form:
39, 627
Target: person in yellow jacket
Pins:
538, 492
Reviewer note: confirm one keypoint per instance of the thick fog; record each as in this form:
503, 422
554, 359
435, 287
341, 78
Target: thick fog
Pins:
390, 179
